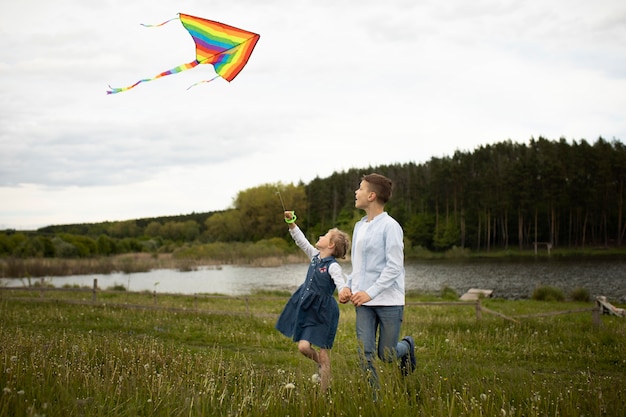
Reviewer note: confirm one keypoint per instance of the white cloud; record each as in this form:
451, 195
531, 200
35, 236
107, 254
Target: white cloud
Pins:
331, 85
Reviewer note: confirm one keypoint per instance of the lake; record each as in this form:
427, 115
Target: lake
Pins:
507, 279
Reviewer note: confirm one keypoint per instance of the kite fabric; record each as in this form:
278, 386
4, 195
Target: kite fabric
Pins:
225, 47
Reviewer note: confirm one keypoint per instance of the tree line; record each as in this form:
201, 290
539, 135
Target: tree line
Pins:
500, 196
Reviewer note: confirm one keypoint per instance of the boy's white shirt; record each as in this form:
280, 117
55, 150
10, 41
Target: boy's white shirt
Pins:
383, 277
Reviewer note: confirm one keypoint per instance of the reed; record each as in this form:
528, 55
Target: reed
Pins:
128, 263
225, 359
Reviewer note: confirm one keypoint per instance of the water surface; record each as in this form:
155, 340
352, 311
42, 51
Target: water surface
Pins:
508, 279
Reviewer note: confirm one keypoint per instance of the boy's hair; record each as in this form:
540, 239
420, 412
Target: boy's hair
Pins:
381, 185
341, 241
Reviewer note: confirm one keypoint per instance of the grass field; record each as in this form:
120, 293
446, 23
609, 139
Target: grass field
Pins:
220, 356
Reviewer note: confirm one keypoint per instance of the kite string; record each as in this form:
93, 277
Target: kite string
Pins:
293, 213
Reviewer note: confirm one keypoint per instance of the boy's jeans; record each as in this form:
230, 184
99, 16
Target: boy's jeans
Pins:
386, 320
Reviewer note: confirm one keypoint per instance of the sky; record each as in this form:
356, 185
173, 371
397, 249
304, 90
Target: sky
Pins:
330, 86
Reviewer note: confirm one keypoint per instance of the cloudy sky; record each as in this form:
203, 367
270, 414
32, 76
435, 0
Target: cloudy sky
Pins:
331, 85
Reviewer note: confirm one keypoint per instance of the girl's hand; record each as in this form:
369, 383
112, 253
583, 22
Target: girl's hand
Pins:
344, 295
290, 218
289, 214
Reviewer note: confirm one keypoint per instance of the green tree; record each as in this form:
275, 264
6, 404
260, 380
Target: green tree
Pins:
225, 226
105, 245
153, 229
122, 229
48, 250
420, 230
446, 236
262, 212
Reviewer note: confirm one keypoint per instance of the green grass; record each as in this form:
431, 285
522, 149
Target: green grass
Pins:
64, 359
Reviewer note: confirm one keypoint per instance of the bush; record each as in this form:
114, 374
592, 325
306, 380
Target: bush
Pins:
117, 287
580, 294
548, 293
448, 293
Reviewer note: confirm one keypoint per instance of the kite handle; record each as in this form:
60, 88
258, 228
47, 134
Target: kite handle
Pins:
292, 219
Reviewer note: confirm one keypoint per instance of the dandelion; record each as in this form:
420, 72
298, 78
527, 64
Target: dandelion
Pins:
13, 358
20, 392
483, 397
6, 390
316, 379
289, 386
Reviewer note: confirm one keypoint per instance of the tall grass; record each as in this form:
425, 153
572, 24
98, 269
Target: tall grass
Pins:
185, 259
59, 359
42, 267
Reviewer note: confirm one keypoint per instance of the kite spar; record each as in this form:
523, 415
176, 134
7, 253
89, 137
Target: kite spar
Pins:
225, 47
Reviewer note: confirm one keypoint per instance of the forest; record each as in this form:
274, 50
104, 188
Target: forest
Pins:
556, 194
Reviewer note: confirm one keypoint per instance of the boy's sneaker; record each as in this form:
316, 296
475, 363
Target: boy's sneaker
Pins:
408, 362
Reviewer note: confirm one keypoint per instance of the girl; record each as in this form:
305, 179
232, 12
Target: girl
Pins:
312, 314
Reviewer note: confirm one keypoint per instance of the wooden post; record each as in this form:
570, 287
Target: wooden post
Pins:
154, 297
595, 316
195, 301
94, 291
479, 311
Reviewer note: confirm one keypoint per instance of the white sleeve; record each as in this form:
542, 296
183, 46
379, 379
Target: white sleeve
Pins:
336, 273
302, 243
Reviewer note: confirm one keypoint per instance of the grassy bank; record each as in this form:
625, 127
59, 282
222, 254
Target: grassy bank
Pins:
61, 359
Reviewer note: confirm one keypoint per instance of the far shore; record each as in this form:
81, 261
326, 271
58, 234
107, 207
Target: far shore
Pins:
143, 262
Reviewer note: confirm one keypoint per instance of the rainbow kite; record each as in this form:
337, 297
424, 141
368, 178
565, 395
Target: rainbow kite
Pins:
225, 47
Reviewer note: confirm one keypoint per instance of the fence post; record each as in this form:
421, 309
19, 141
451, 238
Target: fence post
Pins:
595, 316
479, 310
154, 297
94, 291
43, 283
195, 301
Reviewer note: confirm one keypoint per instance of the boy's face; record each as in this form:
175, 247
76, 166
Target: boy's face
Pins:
362, 195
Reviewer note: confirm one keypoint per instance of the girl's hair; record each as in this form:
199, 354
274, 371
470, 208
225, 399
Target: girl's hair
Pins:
342, 242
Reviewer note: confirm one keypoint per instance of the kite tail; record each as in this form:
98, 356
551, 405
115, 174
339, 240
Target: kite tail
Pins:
160, 24
203, 81
176, 70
